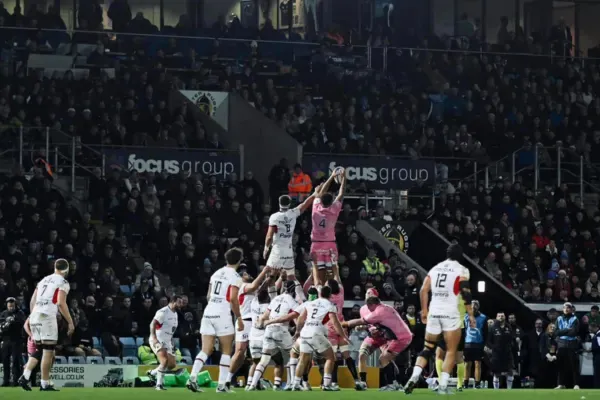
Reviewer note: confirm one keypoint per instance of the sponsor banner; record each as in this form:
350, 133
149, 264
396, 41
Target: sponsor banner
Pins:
90, 375
397, 233
174, 161
378, 172
213, 104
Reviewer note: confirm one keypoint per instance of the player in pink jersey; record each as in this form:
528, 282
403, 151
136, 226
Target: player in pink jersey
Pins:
325, 212
387, 331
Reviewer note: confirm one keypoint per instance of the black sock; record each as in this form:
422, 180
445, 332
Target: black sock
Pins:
334, 374
305, 377
352, 368
322, 372
363, 376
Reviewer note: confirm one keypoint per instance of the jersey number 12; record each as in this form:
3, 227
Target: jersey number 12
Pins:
440, 282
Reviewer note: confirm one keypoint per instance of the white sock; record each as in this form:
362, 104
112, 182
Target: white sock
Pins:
444, 380
496, 382
258, 371
26, 374
229, 377
293, 366
509, 381
297, 380
416, 373
326, 379
160, 377
198, 364
44, 383
277, 381
249, 380
224, 365
154, 371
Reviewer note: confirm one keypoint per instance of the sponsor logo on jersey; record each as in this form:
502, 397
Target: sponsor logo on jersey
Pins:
397, 235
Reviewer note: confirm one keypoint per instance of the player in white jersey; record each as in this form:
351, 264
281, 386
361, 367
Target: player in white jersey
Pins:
312, 331
259, 305
277, 336
280, 236
162, 328
246, 295
223, 299
446, 282
49, 298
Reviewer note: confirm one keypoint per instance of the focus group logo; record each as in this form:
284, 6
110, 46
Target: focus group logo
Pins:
396, 234
206, 102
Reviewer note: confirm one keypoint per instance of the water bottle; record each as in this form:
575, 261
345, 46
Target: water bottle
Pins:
240, 382
485, 384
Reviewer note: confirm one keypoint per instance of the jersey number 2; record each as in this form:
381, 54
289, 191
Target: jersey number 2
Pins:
440, 282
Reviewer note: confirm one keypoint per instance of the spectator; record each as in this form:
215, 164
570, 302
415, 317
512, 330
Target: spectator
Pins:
300, 184
548, 350
120, 14
372, 264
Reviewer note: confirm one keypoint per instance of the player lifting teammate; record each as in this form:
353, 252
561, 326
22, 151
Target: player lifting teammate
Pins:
48, 299
325, 212
279, 238
223, 299
246, 297
446, 281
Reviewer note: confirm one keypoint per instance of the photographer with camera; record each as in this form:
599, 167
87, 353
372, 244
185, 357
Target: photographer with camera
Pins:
11, 336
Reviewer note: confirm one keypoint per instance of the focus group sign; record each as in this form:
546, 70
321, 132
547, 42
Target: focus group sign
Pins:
147, 159
379, 172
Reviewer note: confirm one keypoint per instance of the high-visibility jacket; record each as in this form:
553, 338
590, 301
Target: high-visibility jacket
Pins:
300, 186
374, 266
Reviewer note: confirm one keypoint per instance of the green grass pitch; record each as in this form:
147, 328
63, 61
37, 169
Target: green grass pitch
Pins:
151, 394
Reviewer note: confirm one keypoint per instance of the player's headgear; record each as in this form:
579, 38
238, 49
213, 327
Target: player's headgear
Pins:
285, 202
61, 265
290, 287
327, 199
313, 293
334, 285
371, 293
454, 252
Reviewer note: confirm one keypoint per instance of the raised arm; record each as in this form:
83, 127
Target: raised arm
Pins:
336, 273
308, 202
256, 283
342, 190
324, 188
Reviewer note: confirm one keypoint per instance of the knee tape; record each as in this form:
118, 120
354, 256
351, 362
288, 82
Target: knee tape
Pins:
265, 359
49, 347
344, 348
427, 351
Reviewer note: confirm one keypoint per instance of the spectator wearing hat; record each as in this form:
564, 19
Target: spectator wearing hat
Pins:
567, 331
147, 276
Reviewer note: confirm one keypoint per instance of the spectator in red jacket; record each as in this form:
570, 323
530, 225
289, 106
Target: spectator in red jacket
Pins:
541, 240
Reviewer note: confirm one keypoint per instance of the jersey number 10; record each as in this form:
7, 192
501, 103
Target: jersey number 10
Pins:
440, 282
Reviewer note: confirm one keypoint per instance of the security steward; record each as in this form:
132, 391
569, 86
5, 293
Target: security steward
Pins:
595, 331
501, 345
11, 333
568, 344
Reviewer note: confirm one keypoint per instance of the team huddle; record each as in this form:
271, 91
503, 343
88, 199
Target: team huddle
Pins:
276, 318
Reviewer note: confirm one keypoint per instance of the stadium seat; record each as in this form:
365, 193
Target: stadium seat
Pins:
186, 360
76, 360
112, 360
127, 342
126, 289
176, 342
60, 360
139, 341
97, 343
131, 361
94, 360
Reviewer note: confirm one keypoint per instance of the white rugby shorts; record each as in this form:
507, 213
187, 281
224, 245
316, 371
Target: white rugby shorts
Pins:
317, 343
277, 337
44, 327
284, 260
439, 321
162, 343
217, 325
243, 336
